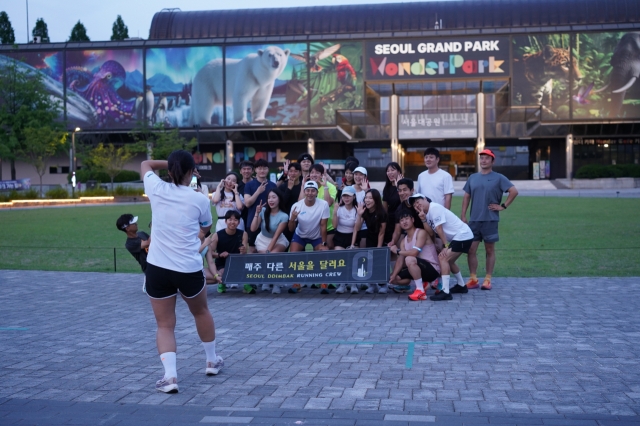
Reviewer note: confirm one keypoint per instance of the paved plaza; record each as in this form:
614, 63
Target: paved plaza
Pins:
79, 348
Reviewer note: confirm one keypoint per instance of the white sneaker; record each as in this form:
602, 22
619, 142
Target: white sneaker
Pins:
232, 286
276, 289
382, 289
265, 287
354, 288
169, 385
371, 289
214, 368
341, 288
144, 285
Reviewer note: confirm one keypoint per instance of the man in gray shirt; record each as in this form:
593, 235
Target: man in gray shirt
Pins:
484, 190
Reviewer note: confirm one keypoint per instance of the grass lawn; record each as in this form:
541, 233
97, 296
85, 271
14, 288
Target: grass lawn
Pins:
540, 237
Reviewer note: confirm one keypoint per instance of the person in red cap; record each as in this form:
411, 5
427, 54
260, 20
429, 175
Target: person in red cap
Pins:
484, 191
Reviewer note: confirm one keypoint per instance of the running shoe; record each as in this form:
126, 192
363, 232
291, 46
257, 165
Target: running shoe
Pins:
418, 295
382, 289
324, 288
276, 289
341, 289
222, 288
459, 289
471, 284
371, 289
332, 287
214, 368
486, 285
233, 285
295, 288
315, 286
434, 284
354, 288
401, 288
265, 287
441, 296
248, 289
169, 385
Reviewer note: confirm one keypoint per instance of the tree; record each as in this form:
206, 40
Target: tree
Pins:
79, 33
160, 142
24, 103
40, 145
40, 30
109, 159
7, 36
120, 30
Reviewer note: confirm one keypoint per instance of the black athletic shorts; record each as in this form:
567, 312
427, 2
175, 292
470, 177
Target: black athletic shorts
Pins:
427, 271
461, 246
343, 240
486, 231
164, 283
252, 236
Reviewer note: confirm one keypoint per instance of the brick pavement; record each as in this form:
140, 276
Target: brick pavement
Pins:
560, 350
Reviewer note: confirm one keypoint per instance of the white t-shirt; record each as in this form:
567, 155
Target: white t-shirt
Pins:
346, 220
178, 213
435, 185
360, 199
453, 227
223, 206
309, 218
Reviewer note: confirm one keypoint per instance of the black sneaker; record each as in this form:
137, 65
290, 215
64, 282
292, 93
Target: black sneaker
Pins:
459, 289
332, 287
315, 286
441, 296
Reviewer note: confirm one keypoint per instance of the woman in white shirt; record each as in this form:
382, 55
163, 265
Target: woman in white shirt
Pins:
344, 220
227, 198
174, 264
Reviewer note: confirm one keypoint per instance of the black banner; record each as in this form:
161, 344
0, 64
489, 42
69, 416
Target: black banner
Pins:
306, 267
437, 58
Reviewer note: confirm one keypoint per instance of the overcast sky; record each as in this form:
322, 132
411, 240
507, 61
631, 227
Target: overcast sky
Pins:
98, 16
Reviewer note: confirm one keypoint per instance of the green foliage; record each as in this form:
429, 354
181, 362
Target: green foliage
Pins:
79, 33
41, 30
119, 30
40, 145
96, 192
109, 159
30, 194
7, 36
126, 191
596, 171
57, 194
84, 175
159, 141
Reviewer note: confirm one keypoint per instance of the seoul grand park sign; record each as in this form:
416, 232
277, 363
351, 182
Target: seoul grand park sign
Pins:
445, 58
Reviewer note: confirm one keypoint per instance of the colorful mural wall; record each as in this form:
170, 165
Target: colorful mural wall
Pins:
105, 89
265, 85
335, 79
170, 77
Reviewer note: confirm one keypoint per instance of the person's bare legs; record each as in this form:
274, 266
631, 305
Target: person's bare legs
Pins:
202, 316
165, 313
490, 248
472, 258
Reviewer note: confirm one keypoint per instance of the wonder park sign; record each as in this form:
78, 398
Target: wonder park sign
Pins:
444, 58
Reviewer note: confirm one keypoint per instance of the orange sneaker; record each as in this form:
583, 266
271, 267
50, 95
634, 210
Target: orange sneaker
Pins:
418, 295
472, 283
324, 288
486, 285
434, 284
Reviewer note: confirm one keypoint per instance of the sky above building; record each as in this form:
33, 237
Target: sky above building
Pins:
98, 16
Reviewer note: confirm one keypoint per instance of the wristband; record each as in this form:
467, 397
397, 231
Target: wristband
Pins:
424, 221
503, 206
418, 248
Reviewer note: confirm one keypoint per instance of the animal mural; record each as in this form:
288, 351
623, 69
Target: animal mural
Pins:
115, 95
335, 79
543, 69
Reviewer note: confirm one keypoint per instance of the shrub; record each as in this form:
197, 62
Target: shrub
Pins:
125, 191
596, 171
97, 192
57, 193
85, 175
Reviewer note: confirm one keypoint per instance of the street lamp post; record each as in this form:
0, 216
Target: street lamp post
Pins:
72, 160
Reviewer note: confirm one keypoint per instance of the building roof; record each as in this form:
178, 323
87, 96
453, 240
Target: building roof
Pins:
379, 20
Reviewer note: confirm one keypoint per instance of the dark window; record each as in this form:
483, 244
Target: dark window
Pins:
53, 170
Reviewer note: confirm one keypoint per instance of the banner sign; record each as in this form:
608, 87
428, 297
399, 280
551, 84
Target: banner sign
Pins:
437, 58
306, 267
15, 184
432, 126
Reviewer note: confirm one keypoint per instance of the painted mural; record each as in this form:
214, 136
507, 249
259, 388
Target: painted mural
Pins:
50, 66
265, 85
610, 66
335, 79
111, 82
542, 72
170, 77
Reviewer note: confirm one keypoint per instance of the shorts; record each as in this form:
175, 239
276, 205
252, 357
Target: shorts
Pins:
343, 240
262, 242
461, 246
427, 271
486, 231
164, 283
252, 237
362, 234
304, 241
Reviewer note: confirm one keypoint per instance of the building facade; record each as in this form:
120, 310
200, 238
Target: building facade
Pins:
549, 86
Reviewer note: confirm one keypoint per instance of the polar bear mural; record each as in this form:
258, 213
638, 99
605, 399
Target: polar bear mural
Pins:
248, 79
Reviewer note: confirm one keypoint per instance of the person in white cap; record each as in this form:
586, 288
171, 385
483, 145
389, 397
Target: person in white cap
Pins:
456, 237
344, 220
309, 218
361, 186
137, 241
